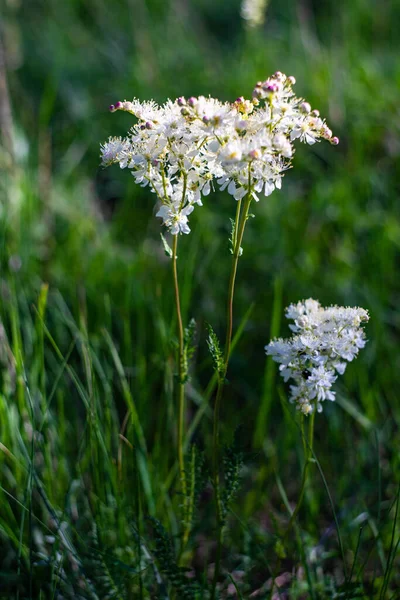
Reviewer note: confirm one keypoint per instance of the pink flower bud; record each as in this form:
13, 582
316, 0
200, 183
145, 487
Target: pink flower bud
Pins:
291, 79
112, 108
305, 107
118, 105
335, 140
192, 101
326, 132
181, 101
254, 154
270, 86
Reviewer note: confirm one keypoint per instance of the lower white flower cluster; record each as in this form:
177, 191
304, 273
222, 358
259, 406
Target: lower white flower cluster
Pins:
324, 339
183, 148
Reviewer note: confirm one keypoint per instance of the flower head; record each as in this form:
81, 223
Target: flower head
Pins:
253, 11
323, 341
246, 146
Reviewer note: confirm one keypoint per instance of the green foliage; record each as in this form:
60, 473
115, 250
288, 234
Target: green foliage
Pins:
232, 461
167, 563
196, 473
102, 572
189, 344
167, 248
232, 238
216, 352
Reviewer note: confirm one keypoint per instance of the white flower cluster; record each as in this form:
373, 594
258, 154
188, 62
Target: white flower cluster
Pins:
324, 339
253, 11
179, 149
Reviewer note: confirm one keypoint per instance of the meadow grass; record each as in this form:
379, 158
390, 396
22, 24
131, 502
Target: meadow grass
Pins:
91, 503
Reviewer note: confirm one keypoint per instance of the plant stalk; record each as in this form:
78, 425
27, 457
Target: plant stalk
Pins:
308, 456
240, 224
308, 452
181, 374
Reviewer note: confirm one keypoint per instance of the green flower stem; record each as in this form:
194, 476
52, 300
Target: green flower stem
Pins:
181, 373
308, 459
240, 224
308, 451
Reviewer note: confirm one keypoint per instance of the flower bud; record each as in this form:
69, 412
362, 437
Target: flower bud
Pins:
112, 108
335, 140
326, 132
254, 154
185, 112
181, 101
315, 113
291, 80
149, 125
305, 107
192, 101
118, 105
302, 322
270, 86
206, 119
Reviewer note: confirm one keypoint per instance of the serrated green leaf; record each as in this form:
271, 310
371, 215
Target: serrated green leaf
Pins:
167, 248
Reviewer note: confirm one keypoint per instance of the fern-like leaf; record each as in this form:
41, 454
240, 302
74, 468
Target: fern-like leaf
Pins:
232, 460
165, 556
216, 352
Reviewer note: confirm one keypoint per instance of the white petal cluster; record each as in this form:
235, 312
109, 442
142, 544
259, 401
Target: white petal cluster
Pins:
182, 149
253, 11
324, 340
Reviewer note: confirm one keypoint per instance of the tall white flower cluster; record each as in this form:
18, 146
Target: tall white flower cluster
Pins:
253, 11
324, 340
183, 148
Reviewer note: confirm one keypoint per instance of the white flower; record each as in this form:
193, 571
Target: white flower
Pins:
175, 219
283, 145
324, 339
231, 153
253, 11
319, 382
112, 150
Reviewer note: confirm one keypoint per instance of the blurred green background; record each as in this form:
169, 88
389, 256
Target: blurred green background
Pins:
332, 233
